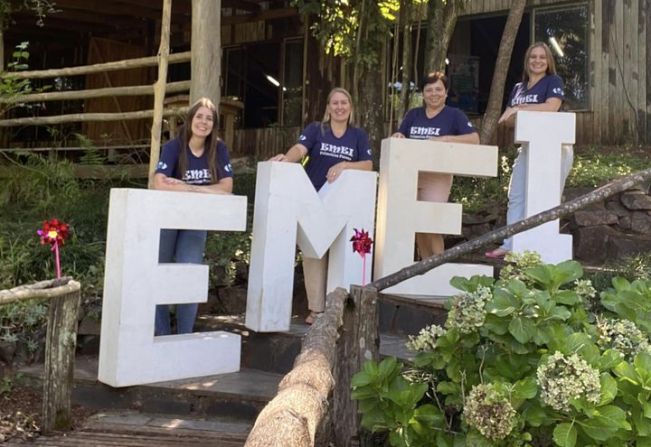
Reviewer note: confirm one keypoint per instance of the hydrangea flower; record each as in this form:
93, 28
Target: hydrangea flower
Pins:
517, 263
563, 378
426, 339
490, 412
467, 312
583, 288
621, 335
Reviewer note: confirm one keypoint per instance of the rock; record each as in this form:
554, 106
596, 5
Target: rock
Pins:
590, 243
622, 245
615, 205
641, 222
636, 200
591, 218
473, 231
229, 301
625, 222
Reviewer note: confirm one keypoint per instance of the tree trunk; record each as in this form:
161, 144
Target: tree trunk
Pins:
441, 20
407, 58
206, 50
599, 194
159, 90
489, 123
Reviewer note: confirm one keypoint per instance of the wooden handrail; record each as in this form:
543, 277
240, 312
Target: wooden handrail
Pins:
87, 117
148, 61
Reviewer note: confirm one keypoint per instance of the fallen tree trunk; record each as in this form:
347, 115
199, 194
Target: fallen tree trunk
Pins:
599, 194
44, 289
291, 419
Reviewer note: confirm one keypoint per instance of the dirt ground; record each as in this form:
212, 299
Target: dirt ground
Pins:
20, 412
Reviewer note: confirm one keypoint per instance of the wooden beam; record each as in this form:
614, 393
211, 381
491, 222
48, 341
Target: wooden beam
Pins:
86, 117
148, 61
206, 50
105, 8
244, 5
269, 14
132, 90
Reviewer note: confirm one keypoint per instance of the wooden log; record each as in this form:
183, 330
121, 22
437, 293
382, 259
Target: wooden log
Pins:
159, 91
87, 117
359, 343
565, 209
292, 418
60, 361
135, 90
140, 62
206, 50
44, 289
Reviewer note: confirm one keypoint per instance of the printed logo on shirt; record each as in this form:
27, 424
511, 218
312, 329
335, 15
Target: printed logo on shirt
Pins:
526, 99
469, 124
424, 132
330, 150
162, 165
368, 151
228, 168
197, 176
302, 138
557, 90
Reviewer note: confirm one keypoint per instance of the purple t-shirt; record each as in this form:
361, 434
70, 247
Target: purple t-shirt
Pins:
551, 86
326, 150
449, 121
197, 171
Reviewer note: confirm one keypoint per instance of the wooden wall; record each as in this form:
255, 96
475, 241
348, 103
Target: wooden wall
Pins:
620, 87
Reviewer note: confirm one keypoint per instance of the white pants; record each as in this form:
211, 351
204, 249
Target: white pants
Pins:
518, 185
315, 274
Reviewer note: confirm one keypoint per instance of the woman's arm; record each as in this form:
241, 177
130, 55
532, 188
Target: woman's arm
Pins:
165, 183
551, 105
469, 138
293, 155
335, 171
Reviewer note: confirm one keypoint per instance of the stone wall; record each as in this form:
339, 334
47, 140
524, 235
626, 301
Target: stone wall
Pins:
617, 228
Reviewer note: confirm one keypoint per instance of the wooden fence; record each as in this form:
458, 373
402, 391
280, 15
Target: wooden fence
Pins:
61, 339
298, 415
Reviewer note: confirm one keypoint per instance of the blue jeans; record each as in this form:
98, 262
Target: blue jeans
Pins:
180, 246
518, 186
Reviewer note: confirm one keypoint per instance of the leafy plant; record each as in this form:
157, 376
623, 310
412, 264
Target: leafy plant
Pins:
521, 361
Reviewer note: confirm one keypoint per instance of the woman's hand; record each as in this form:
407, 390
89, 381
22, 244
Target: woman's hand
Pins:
508, 114
335, 171
172, 181
279, 157
397, 135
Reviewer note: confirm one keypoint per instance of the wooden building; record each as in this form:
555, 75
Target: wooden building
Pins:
273, 67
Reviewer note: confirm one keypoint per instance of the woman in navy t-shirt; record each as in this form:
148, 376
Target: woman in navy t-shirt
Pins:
541, 90
438, 122
196, 161
332, 145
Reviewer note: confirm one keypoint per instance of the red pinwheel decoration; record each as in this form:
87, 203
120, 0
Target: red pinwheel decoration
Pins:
54, 232
362, 243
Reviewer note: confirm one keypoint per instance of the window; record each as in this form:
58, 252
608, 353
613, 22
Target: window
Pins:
565, 30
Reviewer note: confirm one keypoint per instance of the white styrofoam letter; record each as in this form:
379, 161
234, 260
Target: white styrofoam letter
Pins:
541, 135
288, 211
400, 216
134, 283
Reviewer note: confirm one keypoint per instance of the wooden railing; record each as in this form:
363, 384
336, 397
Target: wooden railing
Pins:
61, 340
302, 413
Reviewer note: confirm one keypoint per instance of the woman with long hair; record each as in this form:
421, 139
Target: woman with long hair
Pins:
332, 145
437, 122
541, 90
196, 161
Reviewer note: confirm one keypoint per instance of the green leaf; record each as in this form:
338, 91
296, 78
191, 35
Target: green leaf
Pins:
609, 359
534, 414
475, 439
568, 297
625, 371
565, 435
521, 329
526, 388
608, 389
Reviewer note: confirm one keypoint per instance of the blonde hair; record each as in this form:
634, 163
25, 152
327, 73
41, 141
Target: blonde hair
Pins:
326, 114
551, 65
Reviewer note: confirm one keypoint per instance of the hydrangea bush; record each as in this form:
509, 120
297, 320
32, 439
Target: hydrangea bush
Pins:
537, 358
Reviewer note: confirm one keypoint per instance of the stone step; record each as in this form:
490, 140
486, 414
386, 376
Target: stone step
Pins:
239, 395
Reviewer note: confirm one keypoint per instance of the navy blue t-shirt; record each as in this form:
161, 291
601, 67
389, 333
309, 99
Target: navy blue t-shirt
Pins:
197, 172
326, 150
551, 86
449, 121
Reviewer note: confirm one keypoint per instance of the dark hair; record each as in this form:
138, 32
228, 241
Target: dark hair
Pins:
551, 65
210, 145
432, 78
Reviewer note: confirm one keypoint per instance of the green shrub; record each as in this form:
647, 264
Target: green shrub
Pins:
521, 361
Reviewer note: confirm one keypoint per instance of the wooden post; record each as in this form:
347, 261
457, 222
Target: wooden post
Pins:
359, 342
206, 50
159, 89
60, 361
